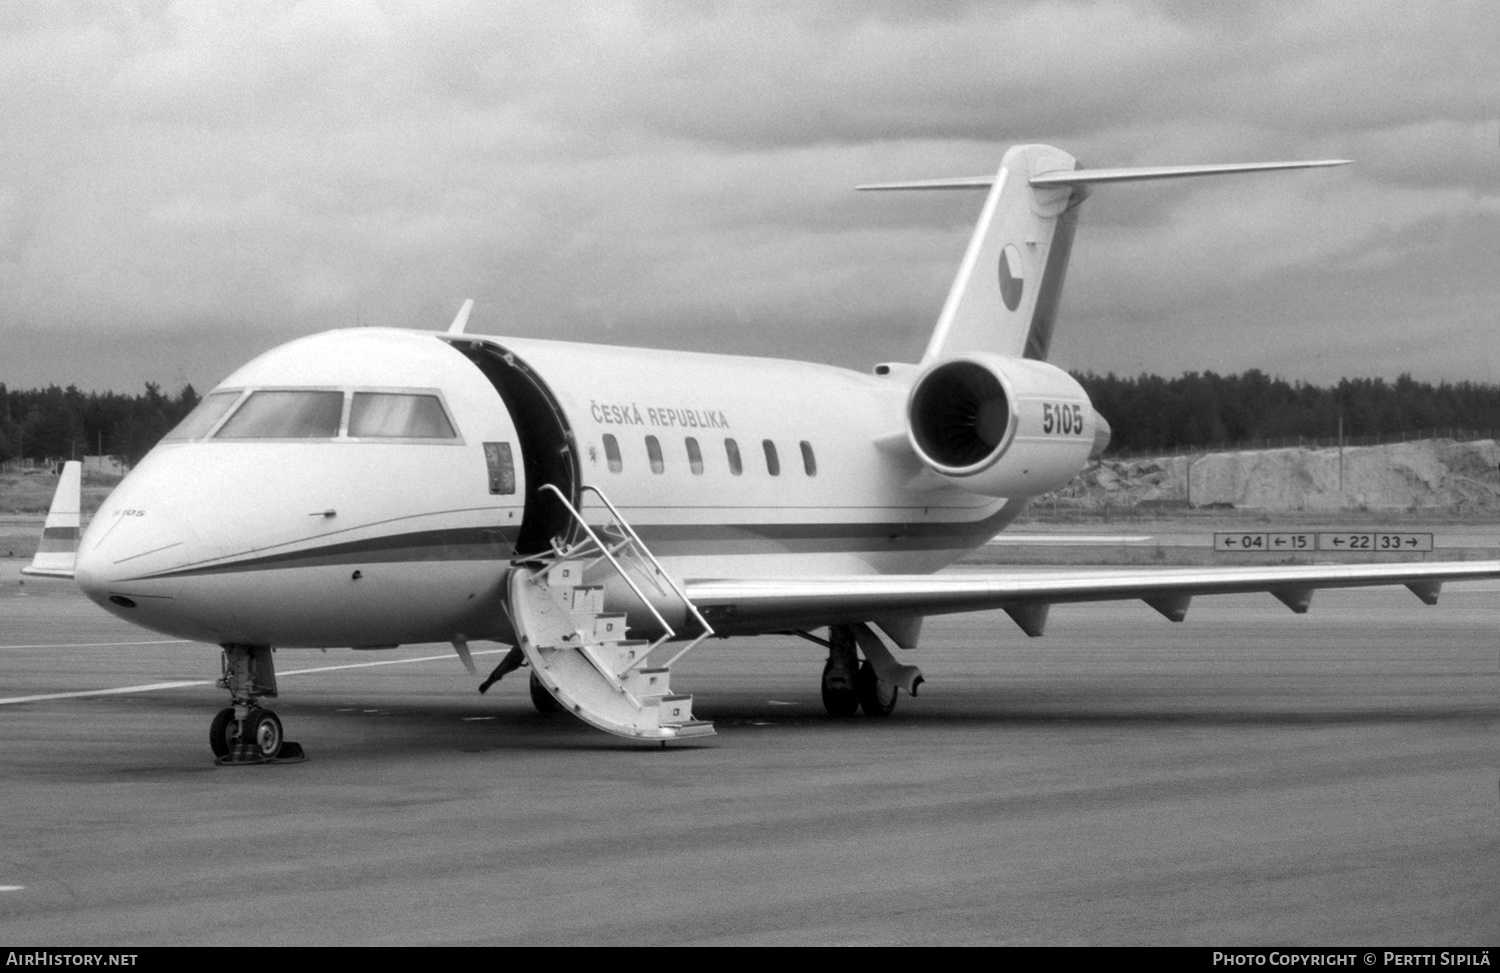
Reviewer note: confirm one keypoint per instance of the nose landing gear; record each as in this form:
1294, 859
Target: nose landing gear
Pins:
245, 733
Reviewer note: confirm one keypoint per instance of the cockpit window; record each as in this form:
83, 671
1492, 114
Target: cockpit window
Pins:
286, 415
388, 415
204, 415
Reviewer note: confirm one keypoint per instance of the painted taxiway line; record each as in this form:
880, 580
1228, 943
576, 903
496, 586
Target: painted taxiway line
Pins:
151, 687
383, 662
93, 645
1070, 539
105, 692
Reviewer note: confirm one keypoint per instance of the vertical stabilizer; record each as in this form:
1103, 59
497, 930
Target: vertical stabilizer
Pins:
58, 550
1004, 299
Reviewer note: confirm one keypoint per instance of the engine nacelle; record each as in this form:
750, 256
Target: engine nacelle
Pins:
1002, 427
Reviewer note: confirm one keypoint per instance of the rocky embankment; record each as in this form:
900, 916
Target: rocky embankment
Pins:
1437, 474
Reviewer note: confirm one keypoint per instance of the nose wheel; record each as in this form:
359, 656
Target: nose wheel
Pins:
247, 733
258, 737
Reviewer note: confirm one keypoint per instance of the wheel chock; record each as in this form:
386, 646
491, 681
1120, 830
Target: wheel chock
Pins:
246, 755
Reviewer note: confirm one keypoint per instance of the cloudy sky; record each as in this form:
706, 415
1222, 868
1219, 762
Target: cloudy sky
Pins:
185, 184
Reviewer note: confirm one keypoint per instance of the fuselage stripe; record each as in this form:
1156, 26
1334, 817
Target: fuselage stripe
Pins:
665, 540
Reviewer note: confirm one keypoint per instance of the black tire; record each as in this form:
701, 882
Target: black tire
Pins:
545, 702
222, 733
264, 729
876, 698
841, 702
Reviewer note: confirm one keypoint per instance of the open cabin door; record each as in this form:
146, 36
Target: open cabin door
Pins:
549, 452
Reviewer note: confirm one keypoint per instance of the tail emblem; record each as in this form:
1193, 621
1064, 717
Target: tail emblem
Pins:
1012, 276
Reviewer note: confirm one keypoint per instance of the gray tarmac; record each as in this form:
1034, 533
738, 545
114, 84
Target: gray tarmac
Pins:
1246, 777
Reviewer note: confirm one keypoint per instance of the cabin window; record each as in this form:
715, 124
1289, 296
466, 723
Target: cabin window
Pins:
732, 450
204, 415
773, 464
389, 415
653, 452
809, 461
695, 456
286, 415
612, 453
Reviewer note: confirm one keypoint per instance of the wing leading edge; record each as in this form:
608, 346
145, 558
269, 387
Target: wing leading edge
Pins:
763, 604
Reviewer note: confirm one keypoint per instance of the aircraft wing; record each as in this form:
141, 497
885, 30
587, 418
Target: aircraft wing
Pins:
766, 604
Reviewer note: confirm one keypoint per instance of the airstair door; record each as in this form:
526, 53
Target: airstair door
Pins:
549, 450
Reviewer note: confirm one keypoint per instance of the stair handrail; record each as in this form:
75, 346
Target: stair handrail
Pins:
667, 629
705, 629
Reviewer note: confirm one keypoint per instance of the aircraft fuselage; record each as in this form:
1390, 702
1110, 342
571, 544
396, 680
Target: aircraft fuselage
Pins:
299, 528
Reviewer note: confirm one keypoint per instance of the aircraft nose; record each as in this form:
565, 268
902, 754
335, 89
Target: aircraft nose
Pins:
128, 549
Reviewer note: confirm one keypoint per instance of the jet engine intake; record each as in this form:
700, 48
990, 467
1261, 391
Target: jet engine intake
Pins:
1002, 427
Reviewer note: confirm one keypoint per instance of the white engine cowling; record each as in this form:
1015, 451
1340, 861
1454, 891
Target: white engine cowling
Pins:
1002, 427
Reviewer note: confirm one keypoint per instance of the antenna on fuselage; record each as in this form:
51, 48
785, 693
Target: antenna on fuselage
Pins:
462, 320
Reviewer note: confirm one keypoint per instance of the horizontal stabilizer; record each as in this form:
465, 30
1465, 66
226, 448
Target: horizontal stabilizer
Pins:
1086, 177
58, 551
963, 182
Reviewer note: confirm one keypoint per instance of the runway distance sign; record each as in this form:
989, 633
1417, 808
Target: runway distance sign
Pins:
1359, 542
1240, 542
1374, 541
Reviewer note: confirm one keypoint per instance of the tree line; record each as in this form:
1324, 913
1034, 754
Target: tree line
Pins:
41, 425
1147, 412
1202, 409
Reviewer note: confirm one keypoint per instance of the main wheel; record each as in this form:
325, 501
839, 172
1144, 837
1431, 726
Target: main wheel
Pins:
264, 730
223, 733
545, 702
839, 698
876, 698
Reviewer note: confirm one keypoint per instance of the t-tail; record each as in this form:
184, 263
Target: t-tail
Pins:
986, 412
58, 551
1004, 300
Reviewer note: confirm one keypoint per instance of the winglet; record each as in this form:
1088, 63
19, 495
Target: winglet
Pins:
461, 321
58, 550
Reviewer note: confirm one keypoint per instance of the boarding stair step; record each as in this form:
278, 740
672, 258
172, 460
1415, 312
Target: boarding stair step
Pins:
646, 683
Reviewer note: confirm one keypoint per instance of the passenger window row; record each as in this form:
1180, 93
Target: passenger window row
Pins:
658, 463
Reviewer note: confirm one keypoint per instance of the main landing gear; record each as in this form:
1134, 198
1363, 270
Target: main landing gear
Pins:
515, 659
246, 733
850, 684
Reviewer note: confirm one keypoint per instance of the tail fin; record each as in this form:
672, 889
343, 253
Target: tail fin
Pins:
1005, 297
59, 548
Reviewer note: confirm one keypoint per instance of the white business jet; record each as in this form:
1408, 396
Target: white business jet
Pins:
602, 510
